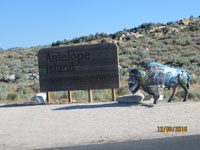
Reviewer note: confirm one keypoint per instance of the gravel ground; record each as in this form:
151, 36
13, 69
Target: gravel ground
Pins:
61, 125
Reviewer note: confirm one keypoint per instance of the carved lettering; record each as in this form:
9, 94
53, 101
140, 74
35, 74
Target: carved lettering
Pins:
61, 68
69, 56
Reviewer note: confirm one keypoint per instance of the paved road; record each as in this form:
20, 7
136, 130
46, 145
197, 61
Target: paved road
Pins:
27, 127
171, 143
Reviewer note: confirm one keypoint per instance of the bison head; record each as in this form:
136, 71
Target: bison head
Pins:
134, 84
137, 78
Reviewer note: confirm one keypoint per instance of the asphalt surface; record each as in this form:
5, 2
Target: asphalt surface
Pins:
91, 126
171, 143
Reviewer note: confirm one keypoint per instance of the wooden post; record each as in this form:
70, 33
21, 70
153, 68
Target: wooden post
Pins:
113, 95
70, 96
48, 96
90, 95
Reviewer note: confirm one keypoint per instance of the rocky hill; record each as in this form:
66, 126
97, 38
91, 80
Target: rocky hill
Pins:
176, 44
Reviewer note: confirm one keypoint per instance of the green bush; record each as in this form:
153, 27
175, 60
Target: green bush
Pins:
97, 95
193, 26
180, 94
173, 24
1, 76
194, 79
80, 94
12, 96
198, 80
36, 86
194, 95
147, 60
143, 53
3, 94
123, 91
58, 95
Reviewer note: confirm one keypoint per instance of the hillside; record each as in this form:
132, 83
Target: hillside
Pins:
176, 44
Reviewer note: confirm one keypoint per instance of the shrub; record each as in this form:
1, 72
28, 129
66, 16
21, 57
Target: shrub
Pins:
147, 60
18, 75
194, 79
12, 96
123, 91
80, 94
193, 26
173, 24
143, 53
3, 94
1, 76
194, 94
180, 94
104, 41
35, 86
145, 28
198, 79
97, 95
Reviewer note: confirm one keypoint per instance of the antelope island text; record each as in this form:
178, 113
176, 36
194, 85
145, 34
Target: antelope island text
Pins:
68, 60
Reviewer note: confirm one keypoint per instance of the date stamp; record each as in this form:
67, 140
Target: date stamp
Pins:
172, 128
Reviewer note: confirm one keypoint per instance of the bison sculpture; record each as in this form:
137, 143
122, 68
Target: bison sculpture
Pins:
154, 77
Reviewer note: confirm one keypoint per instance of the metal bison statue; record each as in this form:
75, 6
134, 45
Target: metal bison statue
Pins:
155, 77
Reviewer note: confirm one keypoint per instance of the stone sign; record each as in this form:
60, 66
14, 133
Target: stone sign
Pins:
78, 67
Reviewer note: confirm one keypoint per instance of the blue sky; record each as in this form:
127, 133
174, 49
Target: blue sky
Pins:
26, 23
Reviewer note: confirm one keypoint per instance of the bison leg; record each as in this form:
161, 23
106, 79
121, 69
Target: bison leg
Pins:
186, 93
173, 93
155, 97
